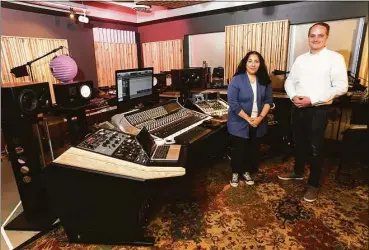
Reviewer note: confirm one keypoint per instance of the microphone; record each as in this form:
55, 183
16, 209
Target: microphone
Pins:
277, 72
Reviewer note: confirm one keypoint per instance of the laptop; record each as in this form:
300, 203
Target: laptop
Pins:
169, 153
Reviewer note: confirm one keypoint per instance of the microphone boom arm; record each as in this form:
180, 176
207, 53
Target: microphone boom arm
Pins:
30, 62
53, 51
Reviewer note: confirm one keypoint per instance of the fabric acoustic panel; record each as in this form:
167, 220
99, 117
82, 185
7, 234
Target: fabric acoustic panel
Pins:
17, 51
270, 39
208, 47
114, 50
163, 55
346, 45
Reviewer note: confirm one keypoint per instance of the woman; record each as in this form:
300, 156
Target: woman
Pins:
249, 99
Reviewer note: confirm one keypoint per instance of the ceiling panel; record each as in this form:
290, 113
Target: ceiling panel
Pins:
172, 4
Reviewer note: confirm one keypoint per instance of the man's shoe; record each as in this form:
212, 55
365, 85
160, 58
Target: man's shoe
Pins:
290, 176
234, 181
311, 194
248, 179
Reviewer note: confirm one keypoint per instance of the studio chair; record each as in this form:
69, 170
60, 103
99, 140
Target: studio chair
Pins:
217, 78
279, 136
355, 142
334, 119
275, 136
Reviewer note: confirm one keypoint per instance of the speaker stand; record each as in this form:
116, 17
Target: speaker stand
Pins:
38, 222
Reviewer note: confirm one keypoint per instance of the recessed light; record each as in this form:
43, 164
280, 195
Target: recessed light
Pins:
142, 8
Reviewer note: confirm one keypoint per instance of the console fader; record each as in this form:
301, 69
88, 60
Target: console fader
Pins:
216, 107
165, 121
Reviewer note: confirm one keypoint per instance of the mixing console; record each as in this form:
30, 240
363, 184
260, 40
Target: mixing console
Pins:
147, 115
115, 144
165, 121
175, 124
191, 135
216, 107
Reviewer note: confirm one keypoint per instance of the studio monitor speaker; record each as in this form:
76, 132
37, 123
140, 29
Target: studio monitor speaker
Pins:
20, 105
24, 156
188, 78
74, 94
160, 80
24, 101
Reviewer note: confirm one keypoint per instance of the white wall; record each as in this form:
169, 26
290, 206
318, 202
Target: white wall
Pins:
342, 39
208, 47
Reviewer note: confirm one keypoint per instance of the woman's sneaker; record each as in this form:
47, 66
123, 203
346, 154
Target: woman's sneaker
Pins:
234, 181
248, 179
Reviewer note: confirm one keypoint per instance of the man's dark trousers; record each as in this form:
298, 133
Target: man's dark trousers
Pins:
308, 129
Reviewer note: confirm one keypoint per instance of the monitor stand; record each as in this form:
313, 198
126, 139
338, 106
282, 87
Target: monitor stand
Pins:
185, 94
139, 105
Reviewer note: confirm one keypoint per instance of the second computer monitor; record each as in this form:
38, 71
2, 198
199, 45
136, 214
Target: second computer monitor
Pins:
133, 84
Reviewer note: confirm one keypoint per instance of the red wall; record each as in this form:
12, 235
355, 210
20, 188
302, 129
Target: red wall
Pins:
164, 31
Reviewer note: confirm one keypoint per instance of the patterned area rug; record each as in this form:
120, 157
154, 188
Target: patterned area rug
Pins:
211, 214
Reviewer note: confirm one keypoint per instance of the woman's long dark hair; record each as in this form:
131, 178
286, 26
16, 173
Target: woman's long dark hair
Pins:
262, 73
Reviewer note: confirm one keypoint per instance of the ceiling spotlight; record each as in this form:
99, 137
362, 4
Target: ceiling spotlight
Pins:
71, 14
142, 8
83, 19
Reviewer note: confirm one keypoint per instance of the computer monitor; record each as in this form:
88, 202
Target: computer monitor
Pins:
134, 86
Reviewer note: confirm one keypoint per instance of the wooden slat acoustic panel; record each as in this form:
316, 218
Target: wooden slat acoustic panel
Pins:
114, 50
270, 39
364, 65
164, 55
17, 51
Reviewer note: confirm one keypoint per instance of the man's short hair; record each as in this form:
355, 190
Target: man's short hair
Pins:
326, 25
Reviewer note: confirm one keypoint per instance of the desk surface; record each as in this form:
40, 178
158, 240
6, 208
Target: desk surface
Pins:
89, 161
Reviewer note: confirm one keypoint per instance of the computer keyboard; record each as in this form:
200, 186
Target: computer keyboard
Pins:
161, 152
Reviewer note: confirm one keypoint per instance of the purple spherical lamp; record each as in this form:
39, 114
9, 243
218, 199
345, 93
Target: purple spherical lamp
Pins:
63, 68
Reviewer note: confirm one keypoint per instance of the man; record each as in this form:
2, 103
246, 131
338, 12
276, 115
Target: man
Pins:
316, 78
